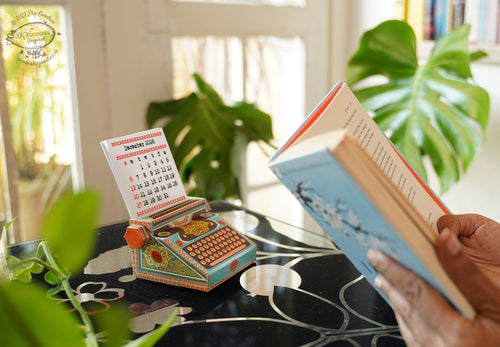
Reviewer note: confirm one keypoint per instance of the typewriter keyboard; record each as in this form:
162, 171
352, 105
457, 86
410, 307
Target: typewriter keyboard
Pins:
216, 247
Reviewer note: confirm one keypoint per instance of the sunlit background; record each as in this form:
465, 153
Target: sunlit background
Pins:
112, 60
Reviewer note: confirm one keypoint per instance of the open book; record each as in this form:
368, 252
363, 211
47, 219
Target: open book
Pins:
352, 180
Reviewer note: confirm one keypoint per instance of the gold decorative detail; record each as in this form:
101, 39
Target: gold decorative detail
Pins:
171, 263
195, 228
206, 214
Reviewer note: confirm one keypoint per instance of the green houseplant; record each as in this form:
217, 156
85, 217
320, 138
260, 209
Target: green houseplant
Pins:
208, 138
28, 314
434, 109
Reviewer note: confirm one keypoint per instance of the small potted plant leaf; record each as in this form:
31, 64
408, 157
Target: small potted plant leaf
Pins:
208, 138
32, 314
432, 109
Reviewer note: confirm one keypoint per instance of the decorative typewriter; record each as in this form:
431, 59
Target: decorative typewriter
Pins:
174, 238
189, 246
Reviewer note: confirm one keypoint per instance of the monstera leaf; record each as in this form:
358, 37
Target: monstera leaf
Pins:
208, 138
434, 109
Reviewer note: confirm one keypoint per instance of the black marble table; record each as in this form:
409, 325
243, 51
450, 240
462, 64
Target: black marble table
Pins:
301, 291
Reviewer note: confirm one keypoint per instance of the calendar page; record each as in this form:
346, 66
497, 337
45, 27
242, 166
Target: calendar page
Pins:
145, 172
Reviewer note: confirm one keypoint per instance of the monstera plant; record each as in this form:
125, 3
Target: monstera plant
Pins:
433, 109
208, 138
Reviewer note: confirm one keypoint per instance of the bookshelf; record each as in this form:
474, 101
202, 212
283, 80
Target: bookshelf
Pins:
478, 190
431, 19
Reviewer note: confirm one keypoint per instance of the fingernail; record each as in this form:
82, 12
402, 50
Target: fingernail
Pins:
451, 242
373, 256
378, 281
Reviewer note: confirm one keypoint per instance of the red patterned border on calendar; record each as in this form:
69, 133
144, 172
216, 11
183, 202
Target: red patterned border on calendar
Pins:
135, 139
133, 154
157, 207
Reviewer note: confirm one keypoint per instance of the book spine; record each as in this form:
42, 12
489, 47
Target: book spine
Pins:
458, 13
472, 18
440, 18
482, 20
490, 35
415, 17
429, 20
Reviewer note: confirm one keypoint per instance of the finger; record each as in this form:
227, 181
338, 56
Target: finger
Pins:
473, 283
414, 328
406, 333
463, 225
424, 338
411, 296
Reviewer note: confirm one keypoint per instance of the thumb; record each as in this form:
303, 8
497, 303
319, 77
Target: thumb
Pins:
462, 224
473, 283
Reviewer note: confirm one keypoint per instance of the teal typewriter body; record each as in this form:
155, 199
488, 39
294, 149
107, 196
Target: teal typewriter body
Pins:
188, 245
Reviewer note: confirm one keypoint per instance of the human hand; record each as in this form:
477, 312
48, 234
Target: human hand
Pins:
424, 316
480, 239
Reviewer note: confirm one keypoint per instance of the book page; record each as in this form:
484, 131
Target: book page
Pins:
145, 172
340, 109
347, 112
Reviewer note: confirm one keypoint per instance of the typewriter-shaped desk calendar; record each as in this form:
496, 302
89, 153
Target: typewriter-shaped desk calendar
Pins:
174, 238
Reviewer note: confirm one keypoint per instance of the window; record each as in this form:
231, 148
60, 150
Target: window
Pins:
255, 51
39, 122
265, 70
119, 58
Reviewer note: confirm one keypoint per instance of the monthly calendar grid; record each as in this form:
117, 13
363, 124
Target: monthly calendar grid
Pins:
145, 171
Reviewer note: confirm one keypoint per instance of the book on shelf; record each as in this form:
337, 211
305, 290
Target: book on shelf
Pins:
429, 28
439, 17
457, 13
491, 22
351, 179
471, 16
415, 16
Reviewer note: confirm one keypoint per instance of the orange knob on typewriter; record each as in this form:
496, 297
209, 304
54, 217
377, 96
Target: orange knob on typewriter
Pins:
136, 236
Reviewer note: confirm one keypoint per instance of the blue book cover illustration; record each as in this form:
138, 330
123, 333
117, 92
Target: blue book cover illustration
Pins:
340, 206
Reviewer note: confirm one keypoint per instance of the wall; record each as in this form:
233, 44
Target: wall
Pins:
478, 191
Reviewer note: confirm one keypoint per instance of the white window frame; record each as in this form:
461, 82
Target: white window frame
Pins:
119, 60
313, 23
